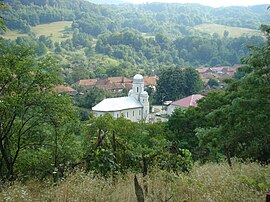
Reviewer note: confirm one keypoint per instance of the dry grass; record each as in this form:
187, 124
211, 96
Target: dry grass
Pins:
233, 31
210, 182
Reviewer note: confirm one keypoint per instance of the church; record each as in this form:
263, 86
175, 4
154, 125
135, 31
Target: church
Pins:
134, 107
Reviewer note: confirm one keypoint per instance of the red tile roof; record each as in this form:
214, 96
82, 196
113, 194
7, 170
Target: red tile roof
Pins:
62, 88
150, 80
113, 83
188, 101
87, 83
119, 80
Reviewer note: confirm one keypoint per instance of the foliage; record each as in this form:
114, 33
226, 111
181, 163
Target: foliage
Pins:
40, 132
176, 83
212, 83
32, 114
153, 37
234, 122
2, 26
115, 146
91, 97
246, 119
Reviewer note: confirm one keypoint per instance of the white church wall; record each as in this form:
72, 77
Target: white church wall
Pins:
134, 115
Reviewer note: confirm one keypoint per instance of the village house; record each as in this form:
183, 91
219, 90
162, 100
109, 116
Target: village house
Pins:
115, 84
218, 73
134, 107
66, 89
184, 103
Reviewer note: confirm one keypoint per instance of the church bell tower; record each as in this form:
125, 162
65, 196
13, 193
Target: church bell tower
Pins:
139, 94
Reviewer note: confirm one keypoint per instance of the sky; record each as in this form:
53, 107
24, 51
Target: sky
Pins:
213, 3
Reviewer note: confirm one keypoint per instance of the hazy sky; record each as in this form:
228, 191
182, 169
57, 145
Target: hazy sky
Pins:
213, 3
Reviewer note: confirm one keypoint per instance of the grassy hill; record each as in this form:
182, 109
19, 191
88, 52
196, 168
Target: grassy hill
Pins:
56, 30
233, 31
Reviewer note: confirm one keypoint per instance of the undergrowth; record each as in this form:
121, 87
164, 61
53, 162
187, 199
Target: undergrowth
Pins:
208, 182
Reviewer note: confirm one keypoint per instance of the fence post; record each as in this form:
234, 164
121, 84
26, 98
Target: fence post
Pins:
267, 199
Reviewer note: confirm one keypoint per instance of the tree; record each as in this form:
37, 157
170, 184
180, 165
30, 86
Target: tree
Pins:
2, 26
239, 126
226, 33
193, 82
175, 83
26, 93
92, 97
212, 82
171, 85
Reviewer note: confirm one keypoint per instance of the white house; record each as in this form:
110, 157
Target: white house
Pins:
184, 103
134, 107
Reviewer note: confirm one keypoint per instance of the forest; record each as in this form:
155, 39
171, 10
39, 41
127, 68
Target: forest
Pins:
52, 142
111, 40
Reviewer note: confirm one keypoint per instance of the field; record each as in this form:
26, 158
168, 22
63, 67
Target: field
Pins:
55, 30
233, 31
247, 182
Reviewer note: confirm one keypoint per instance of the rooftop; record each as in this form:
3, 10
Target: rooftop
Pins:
117, 104
190, 101
62, 88
150, 80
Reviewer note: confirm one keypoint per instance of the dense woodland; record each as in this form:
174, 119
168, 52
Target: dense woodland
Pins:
44, 134
110, 40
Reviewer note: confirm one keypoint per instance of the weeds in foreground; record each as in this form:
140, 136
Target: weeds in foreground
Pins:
209, 182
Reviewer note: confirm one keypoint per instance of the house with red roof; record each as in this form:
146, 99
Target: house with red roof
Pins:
115, 84
217, 73
184, 103
87, 83
66, 89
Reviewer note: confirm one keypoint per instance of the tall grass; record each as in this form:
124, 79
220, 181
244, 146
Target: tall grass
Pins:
209, 182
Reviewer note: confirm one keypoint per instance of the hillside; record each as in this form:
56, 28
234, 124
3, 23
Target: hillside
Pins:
106, 1
141, 38
233, 31
55, 147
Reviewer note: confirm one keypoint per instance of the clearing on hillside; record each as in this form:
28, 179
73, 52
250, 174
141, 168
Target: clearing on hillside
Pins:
56, 30
12, 34
233, 31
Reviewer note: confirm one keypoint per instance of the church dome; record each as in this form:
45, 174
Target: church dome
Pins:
138, 78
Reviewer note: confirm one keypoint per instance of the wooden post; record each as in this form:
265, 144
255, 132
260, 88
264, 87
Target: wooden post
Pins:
267, 199
144, 166
138, 190
144, 175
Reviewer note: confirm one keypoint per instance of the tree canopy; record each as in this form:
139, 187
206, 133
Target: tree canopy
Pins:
29, 105
175, 83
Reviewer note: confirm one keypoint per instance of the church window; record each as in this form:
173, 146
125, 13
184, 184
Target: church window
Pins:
117, 115
127, 114
133, 113
139, 112
137, 89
